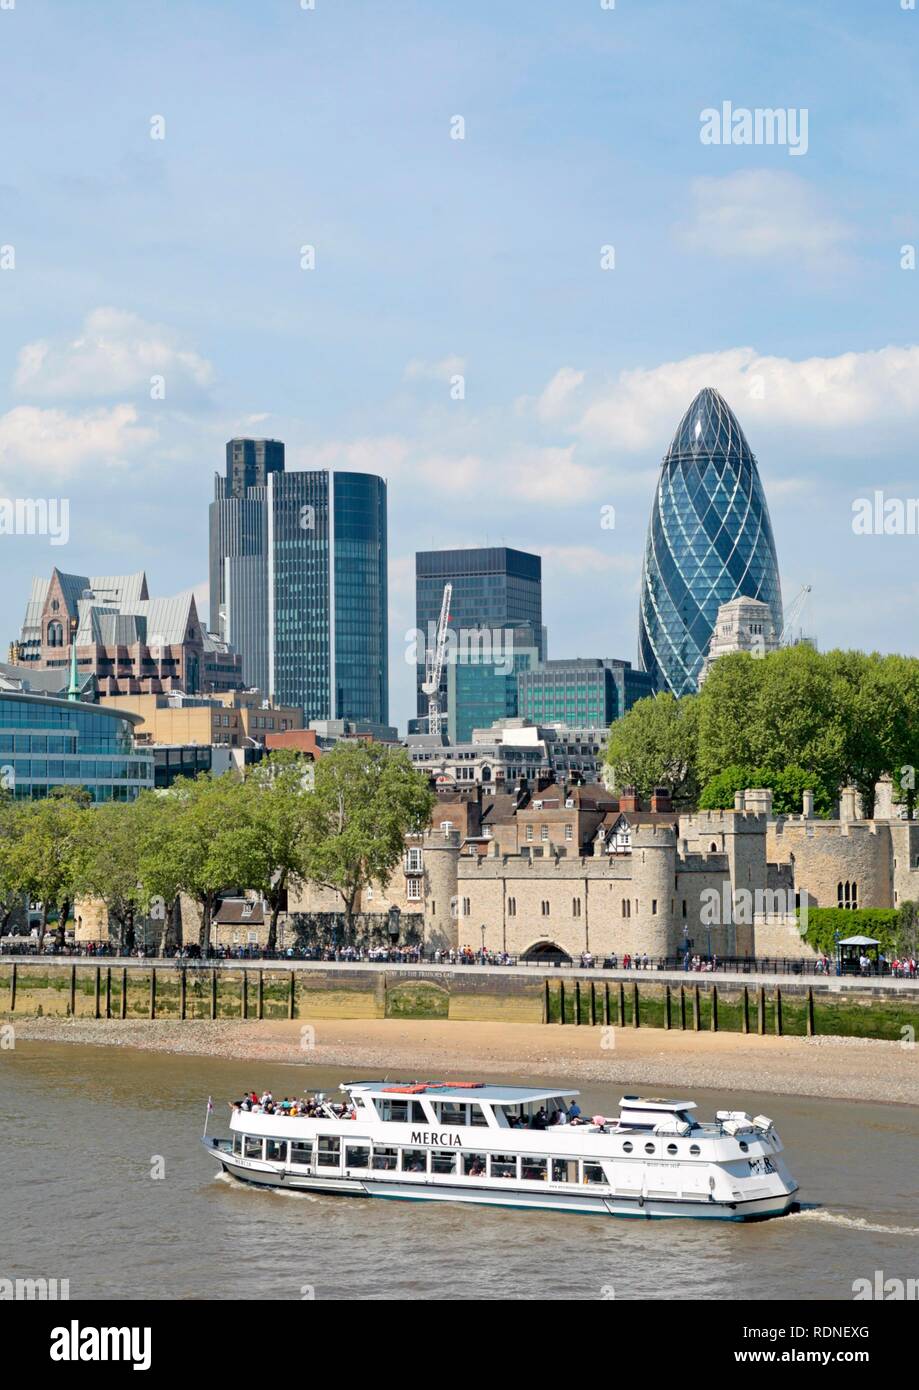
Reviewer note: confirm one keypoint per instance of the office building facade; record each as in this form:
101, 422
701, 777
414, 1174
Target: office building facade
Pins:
581, 692
46, 742
709, 541
298, 574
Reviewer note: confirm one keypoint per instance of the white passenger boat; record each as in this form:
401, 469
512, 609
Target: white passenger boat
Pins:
511, 1146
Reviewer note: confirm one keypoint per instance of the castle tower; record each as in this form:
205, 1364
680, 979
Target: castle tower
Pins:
441, 854
653, 922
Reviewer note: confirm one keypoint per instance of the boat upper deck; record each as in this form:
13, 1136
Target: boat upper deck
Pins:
459, 1091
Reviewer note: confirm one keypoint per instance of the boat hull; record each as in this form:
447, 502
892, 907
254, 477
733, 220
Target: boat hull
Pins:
603, 1203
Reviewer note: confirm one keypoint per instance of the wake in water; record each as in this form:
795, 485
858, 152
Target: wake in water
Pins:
852, 1223
273, 1191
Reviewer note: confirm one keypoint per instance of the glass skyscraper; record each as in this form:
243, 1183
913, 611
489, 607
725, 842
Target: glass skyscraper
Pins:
298, 573
495, 589
709, 541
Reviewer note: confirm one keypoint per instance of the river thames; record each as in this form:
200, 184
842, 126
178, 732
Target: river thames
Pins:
105, 1184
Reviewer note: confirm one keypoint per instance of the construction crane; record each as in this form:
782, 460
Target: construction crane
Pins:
434, 665
794, 613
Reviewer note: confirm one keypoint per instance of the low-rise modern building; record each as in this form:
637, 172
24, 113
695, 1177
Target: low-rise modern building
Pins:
48, 742
234, 718
581, 692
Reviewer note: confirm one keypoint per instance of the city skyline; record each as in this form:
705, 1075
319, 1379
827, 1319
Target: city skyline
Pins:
457, 333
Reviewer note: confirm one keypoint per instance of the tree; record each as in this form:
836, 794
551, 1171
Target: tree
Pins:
366, 799
655, 745
10, 828
265, 840
105, 862
43, 856
788, 786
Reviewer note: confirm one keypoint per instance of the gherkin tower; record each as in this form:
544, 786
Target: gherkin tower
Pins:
709, 541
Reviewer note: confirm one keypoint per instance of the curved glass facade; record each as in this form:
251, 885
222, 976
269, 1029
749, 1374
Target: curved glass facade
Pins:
47, 743
709, 541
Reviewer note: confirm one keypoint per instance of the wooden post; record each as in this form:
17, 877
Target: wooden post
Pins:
714, 1008
561, 1001
577, 1001
811, 1021
593, 1005
778, 1011
606, 1012
290, 996
667, 1006
244, 1006
261, 994
108, 991
183, 994
97, 993
761, 1010
13, 988
621, 1003
213, 994
124, 991
635, 1018
696, 1010
745, 1013
73, 991
683, 1007
152, 1009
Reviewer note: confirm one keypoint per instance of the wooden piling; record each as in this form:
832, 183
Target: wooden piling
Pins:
714, 1008
745, 1011
97, 993
667, 1006
183, 994
108, 991
73, 991
213, 994
244, 995
606, 1009
696, 1010
561, 1001
124, 991
761, 1010
811, 1020
683, 1007
290, 995
260, 1003
13, 973
593, 1005
152, 1009
636, 1020
621, 1005
778, 1011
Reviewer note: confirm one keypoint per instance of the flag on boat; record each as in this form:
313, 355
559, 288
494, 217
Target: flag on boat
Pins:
210, 1105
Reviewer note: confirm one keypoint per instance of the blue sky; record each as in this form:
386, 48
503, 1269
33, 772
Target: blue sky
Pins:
773, 277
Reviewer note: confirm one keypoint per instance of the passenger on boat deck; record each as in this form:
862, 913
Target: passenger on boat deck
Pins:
560, 1117
574, 1111
540, 1119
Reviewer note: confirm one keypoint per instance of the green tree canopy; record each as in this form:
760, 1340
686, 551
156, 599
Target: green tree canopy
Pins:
654, 745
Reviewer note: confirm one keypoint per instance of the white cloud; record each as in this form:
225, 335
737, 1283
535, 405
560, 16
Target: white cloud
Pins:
447, 367
762, 214
555, 400
115, 352
586, 560
641, 409
54, 444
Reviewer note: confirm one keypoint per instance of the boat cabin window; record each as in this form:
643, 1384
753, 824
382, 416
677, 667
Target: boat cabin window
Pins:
385, 1159
357, 1156
301, 1151
564, 1170
695, 1150
414, 1160
329, 1152
503, 1166
452, 1113
253, 1146
276, 1150
402, 1111
533, 1169
443, 1161
627, 1147
593, 1172
473, 1165
477, 1116
237, 1143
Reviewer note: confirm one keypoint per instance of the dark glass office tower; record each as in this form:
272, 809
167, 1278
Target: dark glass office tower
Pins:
493, 588
298, 568
709, 541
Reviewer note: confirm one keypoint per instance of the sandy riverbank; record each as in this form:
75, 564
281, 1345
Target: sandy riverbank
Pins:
845, 1068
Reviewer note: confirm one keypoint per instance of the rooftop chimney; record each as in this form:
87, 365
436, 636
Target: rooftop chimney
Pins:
628, 799
660, 800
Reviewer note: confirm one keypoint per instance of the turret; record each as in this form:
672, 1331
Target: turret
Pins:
653, 923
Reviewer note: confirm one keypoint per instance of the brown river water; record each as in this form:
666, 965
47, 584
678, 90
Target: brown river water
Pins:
83, 1130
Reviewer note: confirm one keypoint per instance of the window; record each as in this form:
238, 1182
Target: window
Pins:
413, 889
237, 1143
473, 1165
443, 1161
384, 1159
357, 1156
544, 832
575, 907
654, 907
593, 1172
650, 1148
544, 907
695, 1150
414, 1160
395, 1111
569, 832
413, 861
533, 1169
467, 907
329, 1153
452, 1114
477, 1116
253, 1147
276, 1150
529, 832
564, 1170
512, 907
503, 1166
301, 1151
672, 1149
684, 907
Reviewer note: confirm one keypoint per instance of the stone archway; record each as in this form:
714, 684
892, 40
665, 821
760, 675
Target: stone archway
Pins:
546, 953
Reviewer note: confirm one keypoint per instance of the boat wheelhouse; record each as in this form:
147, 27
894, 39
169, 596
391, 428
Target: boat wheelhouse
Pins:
515, 1146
